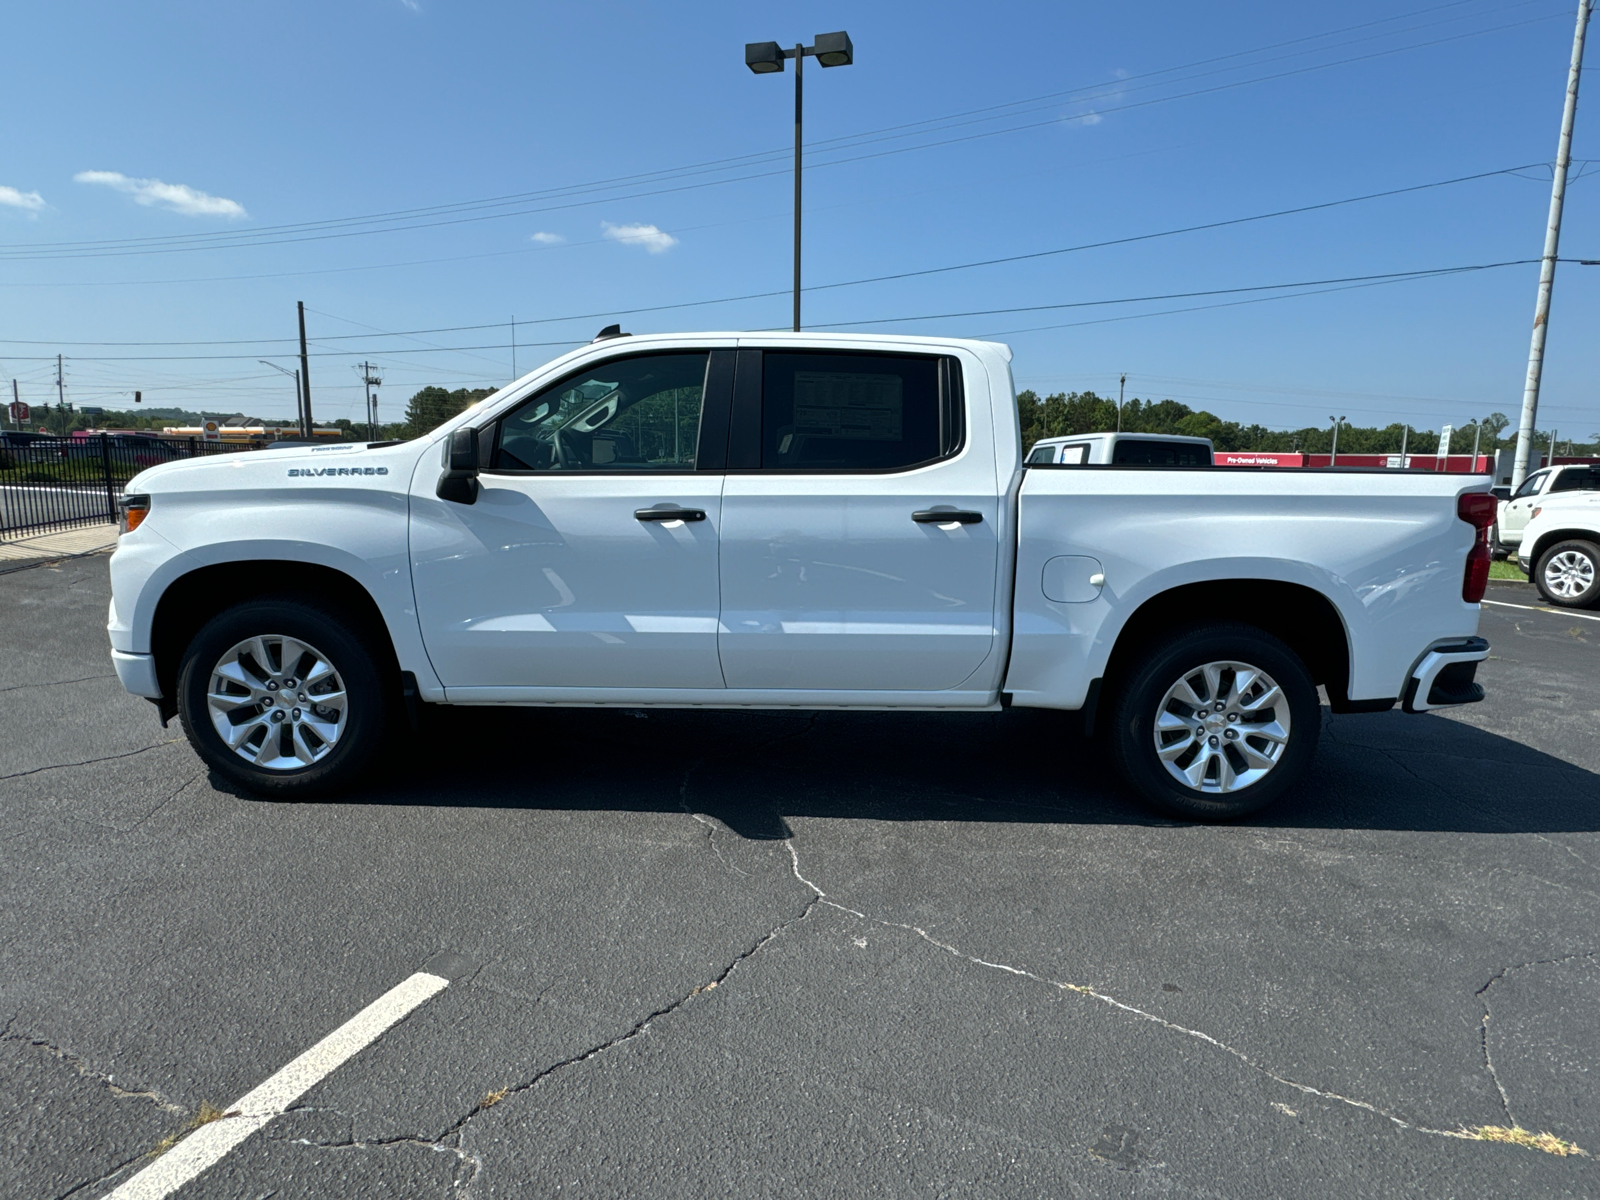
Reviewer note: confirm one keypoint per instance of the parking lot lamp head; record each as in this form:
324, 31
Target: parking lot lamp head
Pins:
763, 57
834, 49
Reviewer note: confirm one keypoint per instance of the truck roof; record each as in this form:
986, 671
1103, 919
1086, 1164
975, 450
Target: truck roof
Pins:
1126, 437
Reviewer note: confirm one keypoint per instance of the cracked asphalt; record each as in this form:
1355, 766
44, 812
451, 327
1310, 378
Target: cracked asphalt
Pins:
793, 955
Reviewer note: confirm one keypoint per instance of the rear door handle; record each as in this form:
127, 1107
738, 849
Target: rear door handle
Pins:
944, 516
669, 514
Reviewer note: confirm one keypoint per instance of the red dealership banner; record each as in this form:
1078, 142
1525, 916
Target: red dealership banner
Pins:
1256, 458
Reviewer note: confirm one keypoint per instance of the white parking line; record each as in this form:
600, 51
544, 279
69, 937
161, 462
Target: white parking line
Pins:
252, 1111
1554, 612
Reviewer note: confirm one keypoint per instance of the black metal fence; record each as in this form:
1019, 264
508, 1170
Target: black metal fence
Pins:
52, 483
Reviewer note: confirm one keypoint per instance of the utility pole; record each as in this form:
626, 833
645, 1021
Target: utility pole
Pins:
61, 397
1122, 387
1405, 438
1552, 460
305, 376
513, 346
1333, 458
1552, 242
371, 381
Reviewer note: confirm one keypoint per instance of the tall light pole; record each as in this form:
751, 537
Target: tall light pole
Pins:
1122, 386
766, 58
1547, 267
1333, 459
299, 403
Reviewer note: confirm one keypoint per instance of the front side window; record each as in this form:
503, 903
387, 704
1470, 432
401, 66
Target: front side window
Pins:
822, 412
629, 414
1530, 485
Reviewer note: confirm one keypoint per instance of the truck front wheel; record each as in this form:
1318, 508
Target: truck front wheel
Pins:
1215, 722
283, 697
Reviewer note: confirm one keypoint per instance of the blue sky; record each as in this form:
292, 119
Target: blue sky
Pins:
143, 121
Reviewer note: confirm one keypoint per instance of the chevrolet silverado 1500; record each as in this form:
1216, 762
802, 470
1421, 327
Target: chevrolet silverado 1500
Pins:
788, 521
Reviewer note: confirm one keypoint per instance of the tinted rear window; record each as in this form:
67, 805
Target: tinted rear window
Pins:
1577, 479
824, 411
1161, 454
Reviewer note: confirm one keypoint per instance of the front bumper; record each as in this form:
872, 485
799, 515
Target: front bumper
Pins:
137, 673
1444, 676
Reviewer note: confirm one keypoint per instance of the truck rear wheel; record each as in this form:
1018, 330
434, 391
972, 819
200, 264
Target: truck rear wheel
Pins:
283, 697
1568, 574
1216, 722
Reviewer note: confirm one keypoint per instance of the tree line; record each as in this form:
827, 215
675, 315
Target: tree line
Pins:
1067, 413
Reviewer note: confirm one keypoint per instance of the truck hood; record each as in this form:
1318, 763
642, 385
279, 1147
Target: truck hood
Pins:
249, 468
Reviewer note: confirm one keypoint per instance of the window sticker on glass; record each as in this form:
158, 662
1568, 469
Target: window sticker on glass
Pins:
847, 405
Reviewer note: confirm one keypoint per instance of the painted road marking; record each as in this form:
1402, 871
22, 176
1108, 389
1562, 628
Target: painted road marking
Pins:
252, 1111
1554, 612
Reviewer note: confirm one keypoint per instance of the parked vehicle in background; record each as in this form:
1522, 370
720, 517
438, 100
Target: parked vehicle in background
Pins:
1516, 511
1122, 449
1560, 549
791, 521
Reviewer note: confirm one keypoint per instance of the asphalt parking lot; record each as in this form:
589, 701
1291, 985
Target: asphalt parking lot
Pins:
743, 954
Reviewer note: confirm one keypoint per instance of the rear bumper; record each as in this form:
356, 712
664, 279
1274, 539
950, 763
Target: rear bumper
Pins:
137, 673
1444, 675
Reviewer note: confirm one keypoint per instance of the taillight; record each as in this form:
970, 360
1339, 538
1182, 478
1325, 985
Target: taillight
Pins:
1479, 510
131, 512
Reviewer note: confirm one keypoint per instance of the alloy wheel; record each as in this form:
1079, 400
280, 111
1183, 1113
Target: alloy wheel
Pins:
277, 702
1222, 727
1569, 574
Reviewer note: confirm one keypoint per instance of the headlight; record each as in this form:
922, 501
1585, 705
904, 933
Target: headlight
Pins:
131, 512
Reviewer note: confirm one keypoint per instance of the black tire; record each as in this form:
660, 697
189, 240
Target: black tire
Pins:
358, 731
1582, 562
1144, 689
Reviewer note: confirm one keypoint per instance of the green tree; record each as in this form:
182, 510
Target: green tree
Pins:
433, 406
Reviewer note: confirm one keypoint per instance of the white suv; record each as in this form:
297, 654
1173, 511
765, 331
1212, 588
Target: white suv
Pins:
1536, 488
1560, 549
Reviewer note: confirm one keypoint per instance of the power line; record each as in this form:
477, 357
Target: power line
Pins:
1265, 287
258, 237
727, 162
1349, 281
987, 262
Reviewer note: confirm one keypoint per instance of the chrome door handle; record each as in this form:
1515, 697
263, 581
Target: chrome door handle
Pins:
944, 516
669, 514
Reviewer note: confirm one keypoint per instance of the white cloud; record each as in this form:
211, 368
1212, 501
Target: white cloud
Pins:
652, 239
412, 5
547, 239
177, 197
1092, 118
27, 201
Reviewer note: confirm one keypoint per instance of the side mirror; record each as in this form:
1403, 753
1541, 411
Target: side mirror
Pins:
459, 483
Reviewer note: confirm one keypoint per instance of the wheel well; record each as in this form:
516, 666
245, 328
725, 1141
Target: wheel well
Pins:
1561, 535
193, 599
1301, 617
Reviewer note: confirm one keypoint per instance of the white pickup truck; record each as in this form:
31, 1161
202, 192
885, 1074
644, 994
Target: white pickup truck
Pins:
788, 521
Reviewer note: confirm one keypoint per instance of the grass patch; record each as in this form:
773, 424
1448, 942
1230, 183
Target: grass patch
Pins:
207, 1114
1507, 570
1518, 1136
490, 1099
